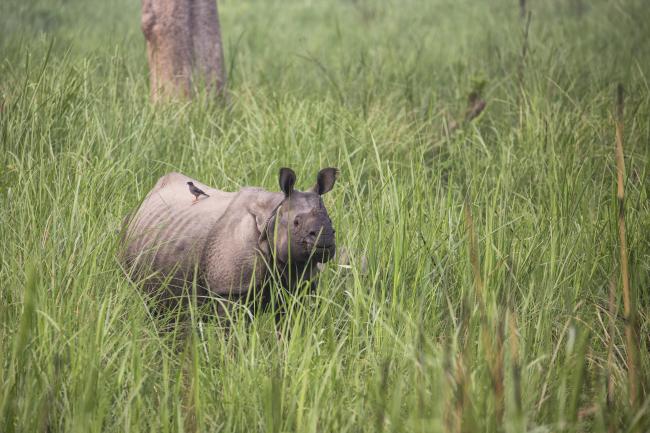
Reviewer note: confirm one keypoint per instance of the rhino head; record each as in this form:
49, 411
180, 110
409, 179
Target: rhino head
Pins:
300, 230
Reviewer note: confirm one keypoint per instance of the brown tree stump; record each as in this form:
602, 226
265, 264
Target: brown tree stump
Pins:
183, 47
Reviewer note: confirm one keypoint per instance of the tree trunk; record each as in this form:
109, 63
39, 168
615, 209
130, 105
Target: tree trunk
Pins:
183, 47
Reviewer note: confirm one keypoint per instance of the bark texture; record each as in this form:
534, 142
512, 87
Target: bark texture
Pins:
183, 46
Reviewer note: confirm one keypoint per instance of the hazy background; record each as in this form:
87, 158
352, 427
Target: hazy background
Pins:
401, 335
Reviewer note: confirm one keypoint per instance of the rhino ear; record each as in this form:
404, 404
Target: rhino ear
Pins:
287, 180
325, 180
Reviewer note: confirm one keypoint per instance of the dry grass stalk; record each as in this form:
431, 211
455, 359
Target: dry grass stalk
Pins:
449, 393
475, 106
524, 49
498, 373
514, 359
455, 394
461, 393
494, 355
612, 311
627, 302
473, 255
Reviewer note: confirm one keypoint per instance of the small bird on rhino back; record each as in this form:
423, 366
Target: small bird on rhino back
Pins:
196, 192
232, 244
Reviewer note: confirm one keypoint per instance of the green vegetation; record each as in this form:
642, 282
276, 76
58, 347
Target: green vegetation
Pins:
495, 316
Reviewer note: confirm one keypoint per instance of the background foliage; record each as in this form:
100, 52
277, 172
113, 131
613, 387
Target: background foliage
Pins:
404, 334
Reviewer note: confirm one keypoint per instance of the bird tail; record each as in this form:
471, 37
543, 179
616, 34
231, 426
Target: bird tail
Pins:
206, 195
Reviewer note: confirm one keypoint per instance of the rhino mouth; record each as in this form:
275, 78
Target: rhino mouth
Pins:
320, 250
318, 247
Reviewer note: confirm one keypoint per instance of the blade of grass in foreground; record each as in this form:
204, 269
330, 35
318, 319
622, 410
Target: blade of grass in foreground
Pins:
20, 357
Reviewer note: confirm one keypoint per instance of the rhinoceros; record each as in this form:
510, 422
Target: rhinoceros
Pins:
228, 244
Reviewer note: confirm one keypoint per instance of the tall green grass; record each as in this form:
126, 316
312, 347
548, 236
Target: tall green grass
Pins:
480, 262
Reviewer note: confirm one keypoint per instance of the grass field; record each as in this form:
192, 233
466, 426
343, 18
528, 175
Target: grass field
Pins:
484, 290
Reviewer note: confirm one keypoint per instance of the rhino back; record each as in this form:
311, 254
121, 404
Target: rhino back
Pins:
168, 232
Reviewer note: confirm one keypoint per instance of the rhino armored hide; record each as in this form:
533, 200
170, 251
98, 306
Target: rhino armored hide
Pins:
228, 243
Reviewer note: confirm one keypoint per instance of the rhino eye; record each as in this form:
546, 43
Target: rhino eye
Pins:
296, 223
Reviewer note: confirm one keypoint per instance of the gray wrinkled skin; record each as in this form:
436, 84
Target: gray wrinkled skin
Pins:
230, 242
